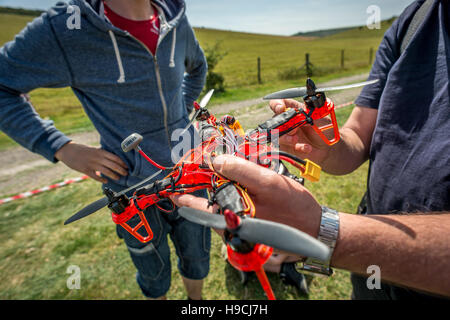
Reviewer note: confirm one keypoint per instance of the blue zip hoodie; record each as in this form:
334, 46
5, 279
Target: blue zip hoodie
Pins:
123, 88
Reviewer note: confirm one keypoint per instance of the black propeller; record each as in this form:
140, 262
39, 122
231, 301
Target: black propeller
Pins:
270, 233
103, 202
311, 89
88, 210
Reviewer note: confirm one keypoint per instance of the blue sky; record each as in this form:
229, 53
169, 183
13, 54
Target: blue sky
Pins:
282, 17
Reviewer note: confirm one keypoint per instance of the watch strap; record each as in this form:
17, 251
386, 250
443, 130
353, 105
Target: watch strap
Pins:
328, 233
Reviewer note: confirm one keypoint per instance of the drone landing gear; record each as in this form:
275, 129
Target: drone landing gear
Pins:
290, 276
253, 261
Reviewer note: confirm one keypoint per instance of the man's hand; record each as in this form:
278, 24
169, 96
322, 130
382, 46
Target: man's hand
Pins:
343, 157
92, 161
303, 142
277, 198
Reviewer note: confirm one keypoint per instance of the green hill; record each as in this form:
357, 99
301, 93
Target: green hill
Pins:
281, 57
21, 12
277, 53
330, 32
280, 53
321, 33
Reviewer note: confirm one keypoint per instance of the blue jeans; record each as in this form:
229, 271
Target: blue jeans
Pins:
152, 259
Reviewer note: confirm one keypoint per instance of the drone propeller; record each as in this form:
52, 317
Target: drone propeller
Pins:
311, 90
205, 100
270, 233
88, 210
203, 103
103, 202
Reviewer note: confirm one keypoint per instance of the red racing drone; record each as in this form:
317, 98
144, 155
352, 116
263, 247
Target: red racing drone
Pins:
250, 241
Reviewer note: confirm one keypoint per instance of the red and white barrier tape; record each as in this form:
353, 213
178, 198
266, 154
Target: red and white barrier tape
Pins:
70, 181
37, 191
344, 105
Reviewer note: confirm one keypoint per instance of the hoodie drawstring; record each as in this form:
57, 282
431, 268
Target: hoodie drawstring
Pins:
118, 57
172, 53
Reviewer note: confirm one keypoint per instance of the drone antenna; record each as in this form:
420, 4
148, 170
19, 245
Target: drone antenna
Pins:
132, 143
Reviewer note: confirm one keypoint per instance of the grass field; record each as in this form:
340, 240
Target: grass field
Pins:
37, 249
278, 54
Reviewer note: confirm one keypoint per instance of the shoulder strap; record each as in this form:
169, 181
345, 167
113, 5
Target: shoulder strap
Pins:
416, 21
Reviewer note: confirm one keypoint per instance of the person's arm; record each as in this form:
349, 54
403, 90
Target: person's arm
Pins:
344, 157
411, 250
196, 69
353, 148
92, 161
25, 65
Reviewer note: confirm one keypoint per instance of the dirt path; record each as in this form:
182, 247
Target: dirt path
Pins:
22, 170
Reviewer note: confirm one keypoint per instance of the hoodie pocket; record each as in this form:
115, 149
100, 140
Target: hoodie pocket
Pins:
137, 164
133, 161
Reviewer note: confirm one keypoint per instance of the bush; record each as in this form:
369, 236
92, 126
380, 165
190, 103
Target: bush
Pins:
293, 73
214, 80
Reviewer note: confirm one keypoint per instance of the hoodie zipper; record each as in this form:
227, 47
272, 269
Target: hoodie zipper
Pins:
163, 99
157, 70
159, 83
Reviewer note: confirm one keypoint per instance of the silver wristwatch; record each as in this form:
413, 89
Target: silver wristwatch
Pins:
328, 233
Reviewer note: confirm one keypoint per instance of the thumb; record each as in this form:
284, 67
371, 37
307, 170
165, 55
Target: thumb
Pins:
246, 173
188, 200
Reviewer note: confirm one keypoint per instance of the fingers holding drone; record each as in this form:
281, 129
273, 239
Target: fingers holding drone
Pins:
280, 105
276, 198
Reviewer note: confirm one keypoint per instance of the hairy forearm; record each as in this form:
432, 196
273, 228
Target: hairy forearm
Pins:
353, 148
410, 250
347, 155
